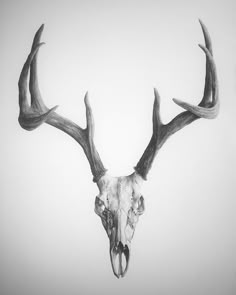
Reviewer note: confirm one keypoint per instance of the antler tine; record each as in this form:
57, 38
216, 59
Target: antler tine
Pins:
36, 99
32, 116
208, 108
27, 118
207, 89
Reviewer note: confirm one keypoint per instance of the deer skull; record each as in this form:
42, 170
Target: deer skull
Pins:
119, 202
119, 205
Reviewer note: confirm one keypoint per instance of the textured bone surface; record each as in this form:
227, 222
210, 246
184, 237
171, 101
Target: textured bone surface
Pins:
119, 205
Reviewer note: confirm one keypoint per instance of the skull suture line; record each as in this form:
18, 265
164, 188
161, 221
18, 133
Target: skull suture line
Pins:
119, 203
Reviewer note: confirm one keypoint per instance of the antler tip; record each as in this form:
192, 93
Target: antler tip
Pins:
86, 100
177, 101
54, 108
201, 46
200, 21
202, 25
39, 32
86, 97
204, 29
157, 95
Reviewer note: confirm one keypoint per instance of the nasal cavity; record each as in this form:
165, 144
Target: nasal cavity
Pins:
120, 247
123, 258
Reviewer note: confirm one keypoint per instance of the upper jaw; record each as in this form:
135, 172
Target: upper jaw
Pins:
119, 255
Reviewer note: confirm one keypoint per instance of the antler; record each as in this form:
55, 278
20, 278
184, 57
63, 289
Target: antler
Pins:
208, 108
33, 115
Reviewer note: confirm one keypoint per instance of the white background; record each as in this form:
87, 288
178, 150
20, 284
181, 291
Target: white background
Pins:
51, 240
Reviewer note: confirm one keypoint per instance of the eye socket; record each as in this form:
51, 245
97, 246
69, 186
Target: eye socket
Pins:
99, 206
141, 206
99, 202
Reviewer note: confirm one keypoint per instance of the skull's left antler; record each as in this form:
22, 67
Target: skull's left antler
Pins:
33, 115
208, 108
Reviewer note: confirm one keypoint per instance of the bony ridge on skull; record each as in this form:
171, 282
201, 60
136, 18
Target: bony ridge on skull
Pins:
119, 205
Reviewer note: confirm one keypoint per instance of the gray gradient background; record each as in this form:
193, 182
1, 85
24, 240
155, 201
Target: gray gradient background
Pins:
51, 241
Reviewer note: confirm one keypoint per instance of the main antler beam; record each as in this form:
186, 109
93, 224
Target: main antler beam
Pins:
208, 108
33, 115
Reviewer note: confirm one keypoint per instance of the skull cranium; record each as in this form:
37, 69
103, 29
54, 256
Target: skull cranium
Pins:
119, 205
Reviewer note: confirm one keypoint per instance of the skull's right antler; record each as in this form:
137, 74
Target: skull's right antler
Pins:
33, 115
208, 108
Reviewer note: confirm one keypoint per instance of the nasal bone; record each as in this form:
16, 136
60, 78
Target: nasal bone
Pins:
121, 223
